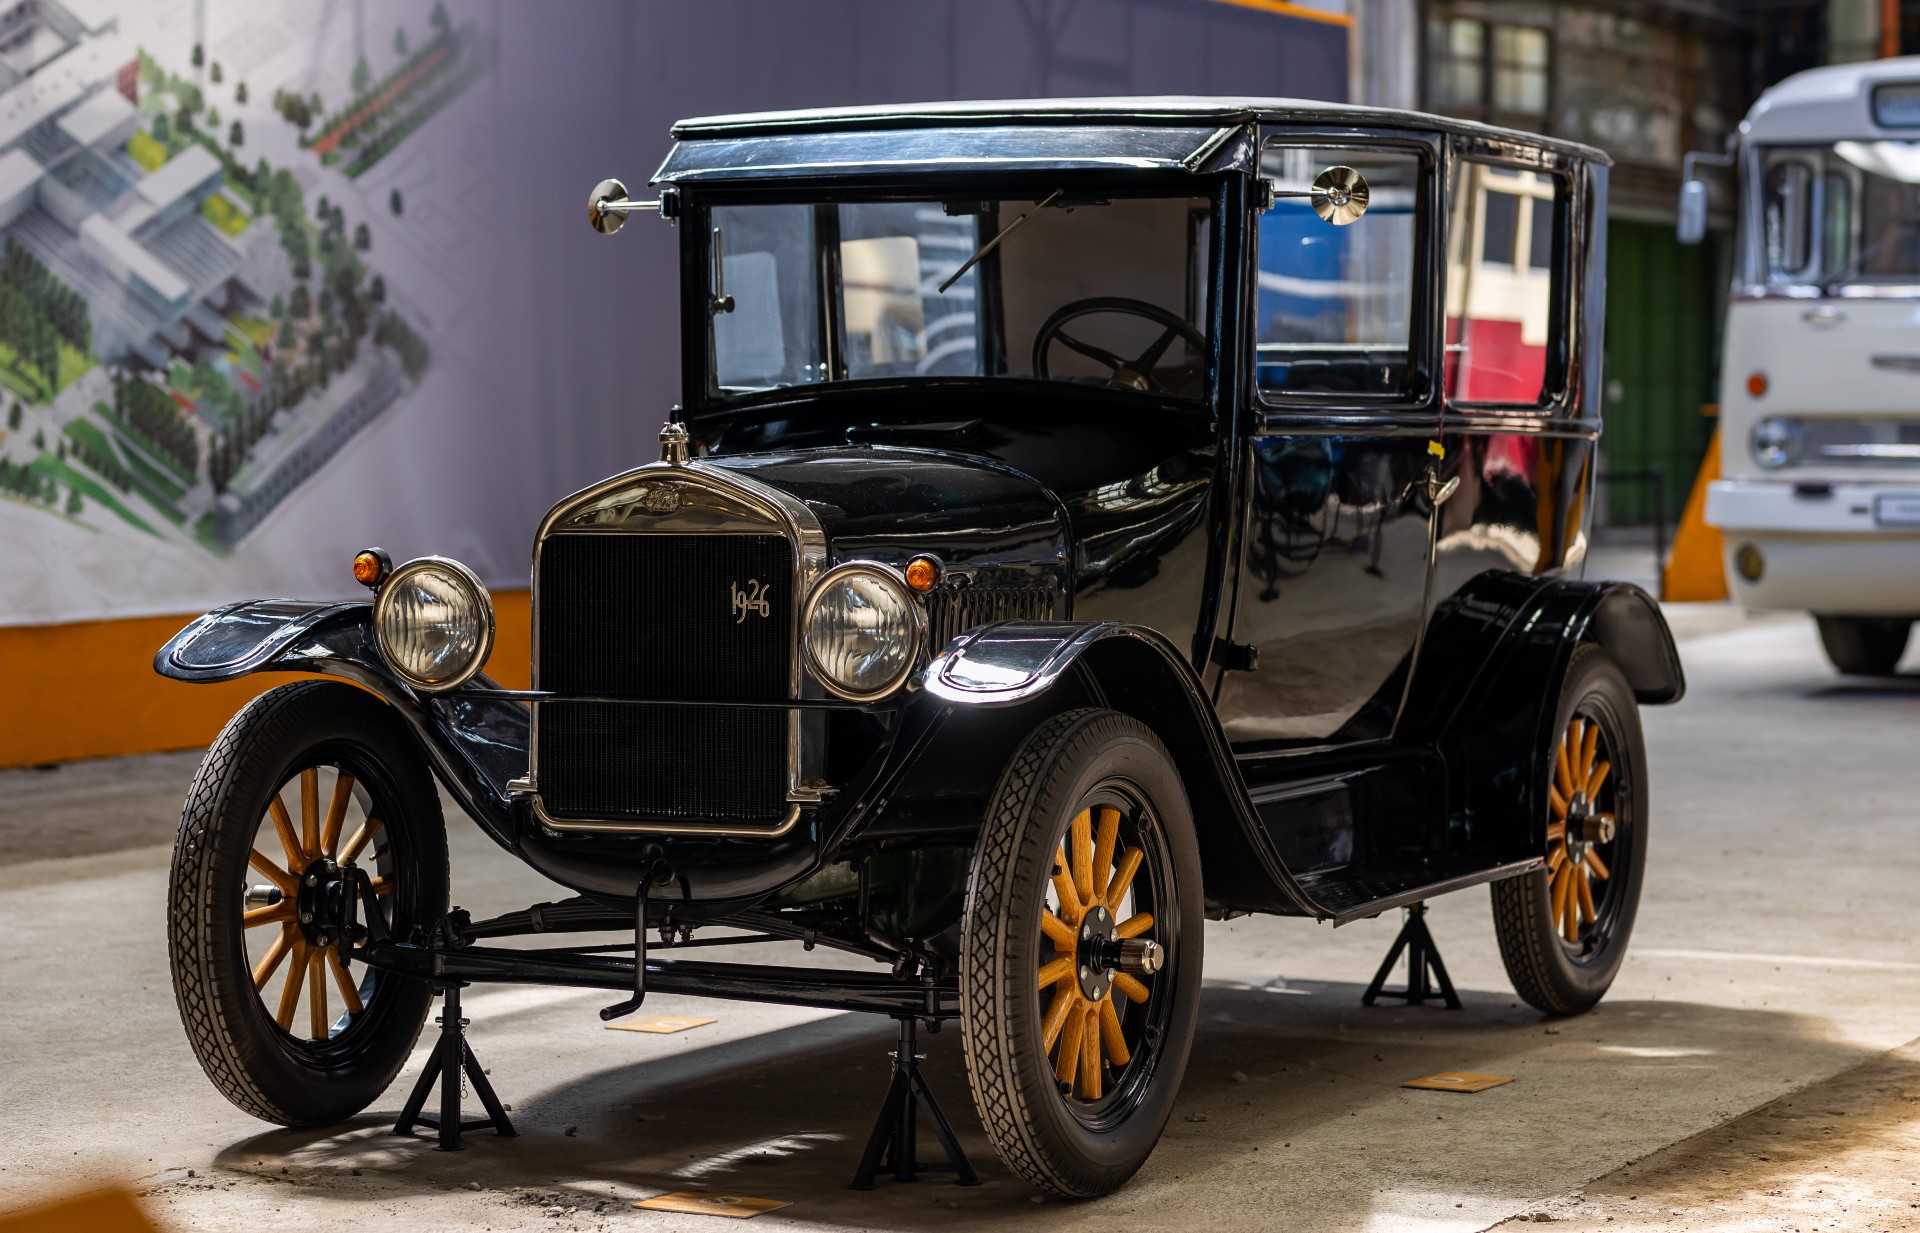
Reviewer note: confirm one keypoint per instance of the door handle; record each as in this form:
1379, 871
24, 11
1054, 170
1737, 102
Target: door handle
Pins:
1438, 490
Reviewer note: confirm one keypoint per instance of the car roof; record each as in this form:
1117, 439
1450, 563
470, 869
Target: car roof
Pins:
1143, 109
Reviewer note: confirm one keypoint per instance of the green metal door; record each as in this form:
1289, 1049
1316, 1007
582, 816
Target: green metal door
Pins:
1663, 317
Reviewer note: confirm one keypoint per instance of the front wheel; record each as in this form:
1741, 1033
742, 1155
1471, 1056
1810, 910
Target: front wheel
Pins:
1080, 959
306, 779
1563, 930
1864, 646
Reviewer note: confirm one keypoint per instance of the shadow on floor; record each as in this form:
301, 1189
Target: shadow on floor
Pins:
1308, 1083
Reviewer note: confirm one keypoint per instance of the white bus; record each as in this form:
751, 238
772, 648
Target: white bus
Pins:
1819, 495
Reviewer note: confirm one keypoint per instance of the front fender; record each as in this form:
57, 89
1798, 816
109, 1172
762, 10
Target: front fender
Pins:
475, 745
1137, 671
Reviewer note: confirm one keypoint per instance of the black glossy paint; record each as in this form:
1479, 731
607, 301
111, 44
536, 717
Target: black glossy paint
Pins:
1356, 682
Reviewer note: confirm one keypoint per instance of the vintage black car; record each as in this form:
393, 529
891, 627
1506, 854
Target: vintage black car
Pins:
1084, 519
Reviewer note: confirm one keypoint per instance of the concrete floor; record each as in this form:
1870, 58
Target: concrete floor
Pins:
1751, 1069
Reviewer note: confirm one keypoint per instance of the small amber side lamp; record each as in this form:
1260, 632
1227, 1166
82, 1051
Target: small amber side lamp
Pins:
923, 573
371, 567
1757, 385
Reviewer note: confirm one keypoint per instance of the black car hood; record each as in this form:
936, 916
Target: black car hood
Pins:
889, 503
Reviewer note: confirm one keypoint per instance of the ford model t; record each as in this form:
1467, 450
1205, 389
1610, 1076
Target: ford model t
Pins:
1084, 520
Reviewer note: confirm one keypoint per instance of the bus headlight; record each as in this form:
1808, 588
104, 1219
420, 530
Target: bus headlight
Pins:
863, 631
1775, 442
433, 622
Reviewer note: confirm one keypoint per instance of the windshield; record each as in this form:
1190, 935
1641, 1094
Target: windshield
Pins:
1106, 292
1847, 214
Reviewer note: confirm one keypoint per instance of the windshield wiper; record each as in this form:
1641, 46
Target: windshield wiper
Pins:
1866, 254
998, 236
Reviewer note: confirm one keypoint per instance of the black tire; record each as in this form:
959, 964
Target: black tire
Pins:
1060, 1133
1864, 646
263, 1068
1551, 971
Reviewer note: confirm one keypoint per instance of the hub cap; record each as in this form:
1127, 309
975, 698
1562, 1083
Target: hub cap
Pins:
1100, 950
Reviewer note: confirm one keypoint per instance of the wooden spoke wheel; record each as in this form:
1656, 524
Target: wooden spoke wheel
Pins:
302, 962
1581, 835
1080, 952
307, 783
1563, 930
1097, 951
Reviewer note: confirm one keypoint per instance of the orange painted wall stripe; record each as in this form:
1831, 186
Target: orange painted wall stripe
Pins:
1284, 9
88, 689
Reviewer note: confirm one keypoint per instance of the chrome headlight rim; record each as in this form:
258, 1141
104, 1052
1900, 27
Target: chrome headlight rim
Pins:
917, 629
1786, 450
382, 605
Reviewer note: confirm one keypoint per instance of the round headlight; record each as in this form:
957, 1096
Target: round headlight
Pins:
434, 623
1776, 442
863, 631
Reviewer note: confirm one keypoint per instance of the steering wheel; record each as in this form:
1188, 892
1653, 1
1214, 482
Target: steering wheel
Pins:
1134, 374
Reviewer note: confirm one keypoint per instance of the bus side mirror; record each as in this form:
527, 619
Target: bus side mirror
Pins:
1691, 225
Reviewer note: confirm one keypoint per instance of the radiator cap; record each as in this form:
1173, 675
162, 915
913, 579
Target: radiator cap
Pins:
673, 443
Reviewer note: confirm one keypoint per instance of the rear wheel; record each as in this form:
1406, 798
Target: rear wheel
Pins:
1563, 930
1080, 961
1864, 646
305, 780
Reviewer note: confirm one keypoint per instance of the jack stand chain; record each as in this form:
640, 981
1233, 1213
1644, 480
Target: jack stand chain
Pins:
452, 1063
895, 1134
1426, 976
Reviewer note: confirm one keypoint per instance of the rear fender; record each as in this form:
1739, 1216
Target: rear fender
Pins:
475, 745
1487, 692
997, 684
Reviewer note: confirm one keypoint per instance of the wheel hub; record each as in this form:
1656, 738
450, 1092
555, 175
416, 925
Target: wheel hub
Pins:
320, 906
1586, 826
1091, 964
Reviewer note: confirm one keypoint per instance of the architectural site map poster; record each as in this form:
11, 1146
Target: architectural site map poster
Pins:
228, 285
283, 279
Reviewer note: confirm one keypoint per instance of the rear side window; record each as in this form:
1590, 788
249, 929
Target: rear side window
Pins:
1503, 280
1334, 311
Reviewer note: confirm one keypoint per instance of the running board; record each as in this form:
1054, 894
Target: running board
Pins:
1358, 892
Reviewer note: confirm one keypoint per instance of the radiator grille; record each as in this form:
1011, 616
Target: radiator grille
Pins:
952, 613
671, 617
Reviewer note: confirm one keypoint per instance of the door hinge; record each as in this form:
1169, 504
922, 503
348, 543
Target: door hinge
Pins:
1235, 656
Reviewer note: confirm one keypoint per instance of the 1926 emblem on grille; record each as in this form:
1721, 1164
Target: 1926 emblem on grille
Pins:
751, 598
660, 499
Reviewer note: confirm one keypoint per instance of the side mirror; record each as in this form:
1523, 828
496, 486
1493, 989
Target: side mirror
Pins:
1339, 195
608, 205
1691, 225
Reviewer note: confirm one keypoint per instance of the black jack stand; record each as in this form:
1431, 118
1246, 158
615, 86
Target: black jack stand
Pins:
452, 1062
1423, 965
895, 1135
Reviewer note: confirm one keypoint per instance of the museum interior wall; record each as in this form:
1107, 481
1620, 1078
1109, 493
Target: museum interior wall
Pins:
307, 291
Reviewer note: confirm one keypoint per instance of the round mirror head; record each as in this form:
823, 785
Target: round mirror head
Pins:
606, 222
1340, 195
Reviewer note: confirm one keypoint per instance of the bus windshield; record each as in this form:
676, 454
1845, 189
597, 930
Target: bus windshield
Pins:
1844, 215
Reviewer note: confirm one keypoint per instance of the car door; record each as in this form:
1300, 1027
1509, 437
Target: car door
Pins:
1331, 582
1518, 455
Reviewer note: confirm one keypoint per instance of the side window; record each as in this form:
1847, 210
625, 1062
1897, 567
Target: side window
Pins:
771, 335
1788, 192
1334, 313
1503, 279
